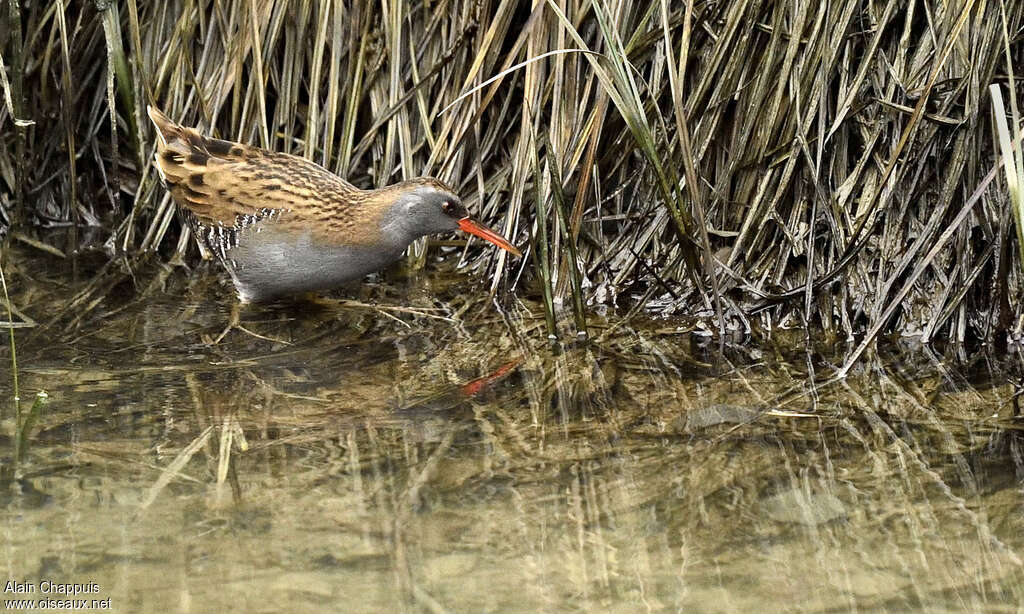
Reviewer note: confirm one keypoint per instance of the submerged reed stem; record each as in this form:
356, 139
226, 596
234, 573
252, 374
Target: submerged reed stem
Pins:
14, 353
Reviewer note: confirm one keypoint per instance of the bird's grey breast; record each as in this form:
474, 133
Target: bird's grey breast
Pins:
267, 263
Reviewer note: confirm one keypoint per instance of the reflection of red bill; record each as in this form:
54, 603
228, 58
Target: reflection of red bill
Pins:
473, 227
475, 386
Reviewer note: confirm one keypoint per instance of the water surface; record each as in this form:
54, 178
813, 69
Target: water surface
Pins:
423, 448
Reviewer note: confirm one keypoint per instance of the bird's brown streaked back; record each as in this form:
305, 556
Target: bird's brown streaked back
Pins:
229, 185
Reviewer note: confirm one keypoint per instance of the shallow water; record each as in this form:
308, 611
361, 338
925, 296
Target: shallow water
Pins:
422, 449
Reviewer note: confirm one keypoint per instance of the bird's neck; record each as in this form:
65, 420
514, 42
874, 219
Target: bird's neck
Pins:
397, 228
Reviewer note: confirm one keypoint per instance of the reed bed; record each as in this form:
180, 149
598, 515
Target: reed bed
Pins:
756, 164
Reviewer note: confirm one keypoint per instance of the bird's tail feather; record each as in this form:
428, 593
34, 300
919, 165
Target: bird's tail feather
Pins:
174, 136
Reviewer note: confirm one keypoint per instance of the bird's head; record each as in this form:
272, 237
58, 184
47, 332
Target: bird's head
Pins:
426, 206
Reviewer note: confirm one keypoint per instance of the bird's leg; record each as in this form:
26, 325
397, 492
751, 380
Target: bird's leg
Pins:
233, 321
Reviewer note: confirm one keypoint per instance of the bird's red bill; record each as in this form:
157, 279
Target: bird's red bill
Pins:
474, 227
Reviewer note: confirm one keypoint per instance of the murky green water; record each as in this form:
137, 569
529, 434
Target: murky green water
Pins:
450, 459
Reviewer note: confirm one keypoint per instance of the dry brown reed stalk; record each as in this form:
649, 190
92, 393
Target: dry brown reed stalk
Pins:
750, 163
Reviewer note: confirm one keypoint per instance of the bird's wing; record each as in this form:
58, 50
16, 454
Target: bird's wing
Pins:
232, 185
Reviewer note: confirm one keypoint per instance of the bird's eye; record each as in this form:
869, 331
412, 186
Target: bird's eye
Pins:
447, 207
